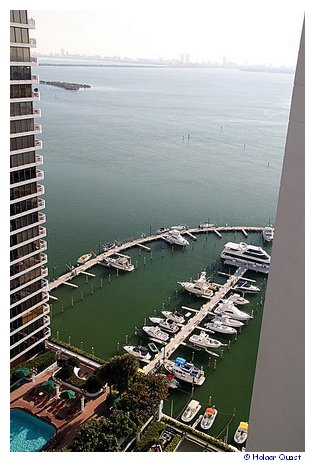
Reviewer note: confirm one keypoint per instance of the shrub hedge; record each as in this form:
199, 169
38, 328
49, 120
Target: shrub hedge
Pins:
40, 362
172, 445
77, 350
150, 436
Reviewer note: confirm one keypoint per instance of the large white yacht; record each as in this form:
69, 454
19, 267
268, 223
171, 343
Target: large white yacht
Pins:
228, 309
187, 372
166, 324
122, 262
138, 351
204, 341
245, 253
268, 234
174, 237
156, 332
200, 287
228, 321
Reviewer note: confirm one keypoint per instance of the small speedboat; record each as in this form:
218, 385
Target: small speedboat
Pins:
180, 227
138, 351
84, 258
153, 347
204, 341
171, 381
109, 246
245, 286
162, 230
218, 326
268, 234
156, 332
191, 410
208, 418
241, 433
155, 320
174, 317
174, 237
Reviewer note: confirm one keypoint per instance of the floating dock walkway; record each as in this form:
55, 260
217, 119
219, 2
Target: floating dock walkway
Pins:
140, 242
194, 322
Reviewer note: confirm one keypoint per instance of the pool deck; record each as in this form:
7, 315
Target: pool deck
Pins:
67, 428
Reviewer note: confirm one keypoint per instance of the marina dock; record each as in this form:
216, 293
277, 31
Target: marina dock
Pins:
142, 241
194, 322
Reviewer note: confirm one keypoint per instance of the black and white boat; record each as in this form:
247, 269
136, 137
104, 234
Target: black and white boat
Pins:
140, 352
121, 262
203, 340
230, 310
241, 433
166, 324
238, 300
174, 237
200, 287
228, 321
156, 332
218, 326
208, 418
246, 286
268, 234
191, 411
174, 317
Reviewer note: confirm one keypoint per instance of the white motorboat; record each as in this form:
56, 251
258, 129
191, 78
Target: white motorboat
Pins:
204, 341
84, 258
156, 332
206, 225
200, 287
174, 317
241, 433
109, 246
180, 227
230, 310
246, 286
191, 410
122, 262
187, 372
166, 324
238, 300
268, 234
161, 230
138, 351
208, 418
174, 237
228, 321
245, 253
218, 326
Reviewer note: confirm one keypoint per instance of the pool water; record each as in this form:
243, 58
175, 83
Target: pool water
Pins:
27, 432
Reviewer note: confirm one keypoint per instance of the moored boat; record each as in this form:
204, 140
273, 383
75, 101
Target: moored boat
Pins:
208, 418
238, 300
230, 310
191, 410
166, 324
204, 341
187, 372
138, 351
174, 317
174, 237
122, 262
84, 258
268, 234
241, 433
218, 326
246, 287
153, 347
156, 332
228, 321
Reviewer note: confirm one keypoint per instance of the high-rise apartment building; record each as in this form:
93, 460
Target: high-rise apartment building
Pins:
29, 310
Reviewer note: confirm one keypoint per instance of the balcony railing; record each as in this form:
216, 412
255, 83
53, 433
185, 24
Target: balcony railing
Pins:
37, 112
39, 206
31, 23
40, 189
42, 302
32, 42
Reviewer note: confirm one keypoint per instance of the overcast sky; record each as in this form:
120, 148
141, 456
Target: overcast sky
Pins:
241, 30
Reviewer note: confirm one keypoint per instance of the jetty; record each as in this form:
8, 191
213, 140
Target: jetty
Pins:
66, 85
143, 241
194, 322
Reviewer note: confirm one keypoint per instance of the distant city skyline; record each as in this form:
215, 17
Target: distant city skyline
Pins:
198, 31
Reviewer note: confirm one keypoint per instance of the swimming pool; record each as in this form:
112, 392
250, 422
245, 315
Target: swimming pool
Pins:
28, 433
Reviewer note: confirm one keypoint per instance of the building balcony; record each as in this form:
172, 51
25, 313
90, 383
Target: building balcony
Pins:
36, 131
39, 176
29, 25
25, 350
39, 206
43, 315
44, 288
46, 331
36, 113
41, 234
43, 261
35, 96
38, 144
32, 62
41, 248
44, 273
39, 192
34, 80
38, 161
42, 302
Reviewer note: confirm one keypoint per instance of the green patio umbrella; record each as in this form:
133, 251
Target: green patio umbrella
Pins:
67, 394
49, 386
22, 372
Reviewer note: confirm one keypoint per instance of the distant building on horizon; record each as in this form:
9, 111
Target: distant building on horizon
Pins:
29, 308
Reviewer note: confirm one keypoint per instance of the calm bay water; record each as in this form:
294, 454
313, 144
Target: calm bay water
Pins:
116, 164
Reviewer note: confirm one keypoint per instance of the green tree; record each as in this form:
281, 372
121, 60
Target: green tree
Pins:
121, 424
118, 371
87, 438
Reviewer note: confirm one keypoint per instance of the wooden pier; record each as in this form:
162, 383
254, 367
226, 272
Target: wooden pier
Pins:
194, 322
98, 259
